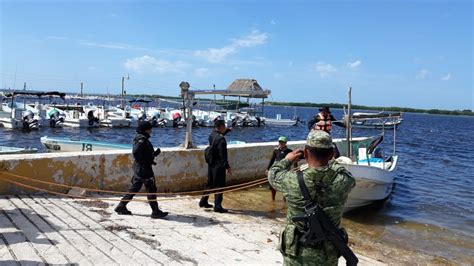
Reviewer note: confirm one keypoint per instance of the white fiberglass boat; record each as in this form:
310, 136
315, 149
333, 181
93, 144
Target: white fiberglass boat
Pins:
278, 121
71, 145
373, 171
14, 150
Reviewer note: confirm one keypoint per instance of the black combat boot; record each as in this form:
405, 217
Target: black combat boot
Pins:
121, 209
220, 210
218, 203
156, 212
203, 202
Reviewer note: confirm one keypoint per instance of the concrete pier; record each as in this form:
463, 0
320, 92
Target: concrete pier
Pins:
39, 229
176, 169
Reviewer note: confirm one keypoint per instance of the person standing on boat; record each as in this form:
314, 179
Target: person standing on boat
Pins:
144, 154
328, 185
218, 167
278, 154
322, 121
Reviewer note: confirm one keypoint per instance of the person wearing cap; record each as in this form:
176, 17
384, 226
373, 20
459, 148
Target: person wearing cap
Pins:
219, 167
322, 121
144, 155
278, 154
328, 183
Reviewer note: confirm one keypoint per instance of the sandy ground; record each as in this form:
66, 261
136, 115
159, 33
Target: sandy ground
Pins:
49, 230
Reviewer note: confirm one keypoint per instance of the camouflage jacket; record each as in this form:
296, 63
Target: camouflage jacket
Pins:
339, 182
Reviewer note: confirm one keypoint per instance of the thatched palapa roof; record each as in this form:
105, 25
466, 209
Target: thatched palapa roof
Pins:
248, 88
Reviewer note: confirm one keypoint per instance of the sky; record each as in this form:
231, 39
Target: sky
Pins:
392, 53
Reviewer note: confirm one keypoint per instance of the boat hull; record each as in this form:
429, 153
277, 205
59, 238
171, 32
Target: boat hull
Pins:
373, 183
66, 145
115, 122
13, 150
79, 122
280, 122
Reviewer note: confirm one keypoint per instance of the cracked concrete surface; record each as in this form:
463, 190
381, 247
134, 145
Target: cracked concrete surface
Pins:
41, 229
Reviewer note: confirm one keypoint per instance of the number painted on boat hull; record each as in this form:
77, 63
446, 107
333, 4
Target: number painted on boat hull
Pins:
86, 147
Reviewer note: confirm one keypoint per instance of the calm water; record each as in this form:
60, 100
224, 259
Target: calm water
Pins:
433, 187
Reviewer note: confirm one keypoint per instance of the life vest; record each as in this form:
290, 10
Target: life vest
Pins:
324, 122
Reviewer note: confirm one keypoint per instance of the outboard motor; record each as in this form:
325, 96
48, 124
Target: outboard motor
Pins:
176, 119
29, 122
142, 117
92, 119
55, 120
378, 153
195, 121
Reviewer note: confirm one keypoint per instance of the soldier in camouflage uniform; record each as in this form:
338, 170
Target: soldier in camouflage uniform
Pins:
318, 153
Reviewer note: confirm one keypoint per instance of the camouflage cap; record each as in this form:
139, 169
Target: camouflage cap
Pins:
319, 139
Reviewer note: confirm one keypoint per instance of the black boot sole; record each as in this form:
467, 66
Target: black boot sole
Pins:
159, 216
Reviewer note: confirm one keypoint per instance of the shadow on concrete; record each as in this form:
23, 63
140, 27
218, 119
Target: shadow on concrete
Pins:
271, 214
194, 220
12, 218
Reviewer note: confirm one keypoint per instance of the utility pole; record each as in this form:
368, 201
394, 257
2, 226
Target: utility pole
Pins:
349, 124
121, 97
214, 85
123, 90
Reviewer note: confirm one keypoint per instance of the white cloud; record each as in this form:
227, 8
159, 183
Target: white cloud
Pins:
446, 77
253, 39
104, 45
324, 69
201, 72
422, 74
216, 55
273, 22
148, 63
59, 38
354, 64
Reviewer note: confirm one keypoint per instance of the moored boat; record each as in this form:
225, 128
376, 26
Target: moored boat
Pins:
278, 121
380, 120
373, 171
14, 150
74, 145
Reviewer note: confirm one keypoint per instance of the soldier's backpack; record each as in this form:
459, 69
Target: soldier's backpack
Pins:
208, 152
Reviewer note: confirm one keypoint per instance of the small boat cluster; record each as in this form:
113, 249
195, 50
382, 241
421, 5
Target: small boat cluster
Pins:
15, 114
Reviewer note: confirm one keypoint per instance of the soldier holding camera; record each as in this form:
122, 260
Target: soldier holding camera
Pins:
322, 183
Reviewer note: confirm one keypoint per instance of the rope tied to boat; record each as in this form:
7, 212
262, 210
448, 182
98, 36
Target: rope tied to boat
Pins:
188, 194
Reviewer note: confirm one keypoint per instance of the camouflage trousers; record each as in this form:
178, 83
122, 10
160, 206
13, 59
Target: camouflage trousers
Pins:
310, 256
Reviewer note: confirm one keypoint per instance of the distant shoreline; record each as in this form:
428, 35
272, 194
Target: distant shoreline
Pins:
376, 108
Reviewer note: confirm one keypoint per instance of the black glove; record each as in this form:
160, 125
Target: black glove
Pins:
157, 152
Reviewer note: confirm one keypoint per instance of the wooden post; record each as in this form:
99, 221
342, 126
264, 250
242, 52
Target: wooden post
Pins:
348, 125
188, 97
